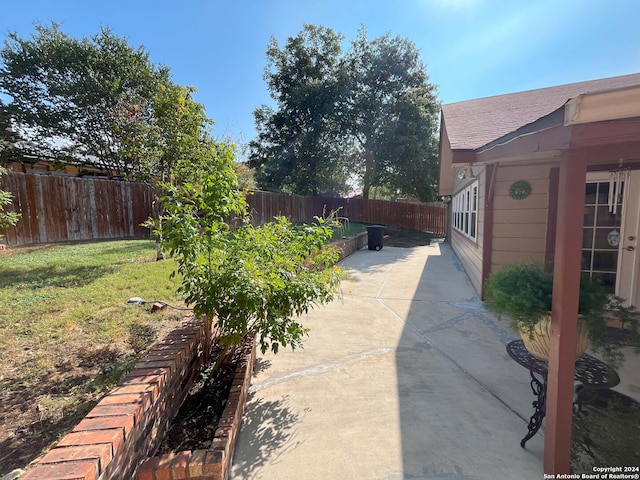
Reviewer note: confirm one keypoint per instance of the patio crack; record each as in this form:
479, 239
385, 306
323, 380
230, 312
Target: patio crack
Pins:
320, 369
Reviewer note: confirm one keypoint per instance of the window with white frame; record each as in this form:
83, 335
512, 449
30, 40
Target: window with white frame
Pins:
465, 211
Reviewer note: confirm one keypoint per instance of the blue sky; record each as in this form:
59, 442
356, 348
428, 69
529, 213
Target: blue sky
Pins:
472, 48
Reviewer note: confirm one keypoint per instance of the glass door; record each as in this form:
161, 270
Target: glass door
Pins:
601, 231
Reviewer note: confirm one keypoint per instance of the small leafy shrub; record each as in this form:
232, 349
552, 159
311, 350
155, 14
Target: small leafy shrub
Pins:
7, 219
255, 280
522, 292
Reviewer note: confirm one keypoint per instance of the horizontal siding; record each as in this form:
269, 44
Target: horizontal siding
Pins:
504, 258
533, 245
518, 217
504, 230
520, 226
470, 256
532, 202
525, 172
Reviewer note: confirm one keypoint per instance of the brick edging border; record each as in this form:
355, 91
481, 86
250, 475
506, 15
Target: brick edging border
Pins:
213, 463
127, 424
350, 245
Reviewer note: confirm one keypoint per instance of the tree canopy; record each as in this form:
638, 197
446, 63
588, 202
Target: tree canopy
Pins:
368, 114
99, 101
295, 151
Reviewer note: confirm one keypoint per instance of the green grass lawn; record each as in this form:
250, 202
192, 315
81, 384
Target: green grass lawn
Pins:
67, 337
348, 229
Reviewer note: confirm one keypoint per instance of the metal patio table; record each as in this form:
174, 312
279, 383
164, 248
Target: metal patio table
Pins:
590, 373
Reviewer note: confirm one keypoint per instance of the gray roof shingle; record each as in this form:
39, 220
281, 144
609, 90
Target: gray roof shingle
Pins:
472, 124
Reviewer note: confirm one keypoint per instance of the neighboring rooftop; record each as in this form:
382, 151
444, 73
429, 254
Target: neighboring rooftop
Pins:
472, 124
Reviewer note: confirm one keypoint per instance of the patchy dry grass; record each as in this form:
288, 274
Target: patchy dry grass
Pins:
67, 337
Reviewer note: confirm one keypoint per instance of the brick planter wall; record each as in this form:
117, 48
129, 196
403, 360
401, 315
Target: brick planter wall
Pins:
351, 245
127, 424
213, 463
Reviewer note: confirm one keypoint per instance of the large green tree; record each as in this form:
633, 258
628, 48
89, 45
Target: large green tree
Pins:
368, 114
99, 101
298, 146
84, 100
390, 111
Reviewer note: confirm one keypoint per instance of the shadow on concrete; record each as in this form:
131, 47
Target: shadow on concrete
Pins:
269, 426
461, 412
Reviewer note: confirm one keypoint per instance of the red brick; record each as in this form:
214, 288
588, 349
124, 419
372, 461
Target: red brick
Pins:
196, 463
122, 422
231, 406
140, 398
148, 388
213, 462
114, 438
170, 365
137, 372
161, 347
179, 465
223, 431
100, 453
132, 409
180, 340
220, 444
146, 470
64, 471
168, 354
163, 467
144, 379
225, 422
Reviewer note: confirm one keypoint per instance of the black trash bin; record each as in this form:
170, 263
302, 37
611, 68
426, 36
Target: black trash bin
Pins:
375, 235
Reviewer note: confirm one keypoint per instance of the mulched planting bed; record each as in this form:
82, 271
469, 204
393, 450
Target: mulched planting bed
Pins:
194, 426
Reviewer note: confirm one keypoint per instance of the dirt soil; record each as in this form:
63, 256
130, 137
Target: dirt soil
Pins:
31, 420
195, 424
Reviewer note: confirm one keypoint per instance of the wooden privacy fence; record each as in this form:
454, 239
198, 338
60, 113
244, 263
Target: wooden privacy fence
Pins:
263, 206
415, 216
56, 208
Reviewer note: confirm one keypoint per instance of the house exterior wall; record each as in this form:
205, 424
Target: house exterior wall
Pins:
469, 251
520, 226
446, 158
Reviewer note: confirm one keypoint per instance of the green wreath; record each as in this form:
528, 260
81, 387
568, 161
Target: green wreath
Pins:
520, 190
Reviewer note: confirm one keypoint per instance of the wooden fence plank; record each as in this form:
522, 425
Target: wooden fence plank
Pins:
58, 208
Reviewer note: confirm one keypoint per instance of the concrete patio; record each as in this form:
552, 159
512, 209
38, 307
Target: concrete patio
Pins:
405, 377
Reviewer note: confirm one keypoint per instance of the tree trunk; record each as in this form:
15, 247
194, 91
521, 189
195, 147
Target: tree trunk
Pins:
159, 247
369, 166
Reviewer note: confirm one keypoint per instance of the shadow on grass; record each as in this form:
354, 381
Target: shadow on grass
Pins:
33, 278
133, 247
268, 426
30, 440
